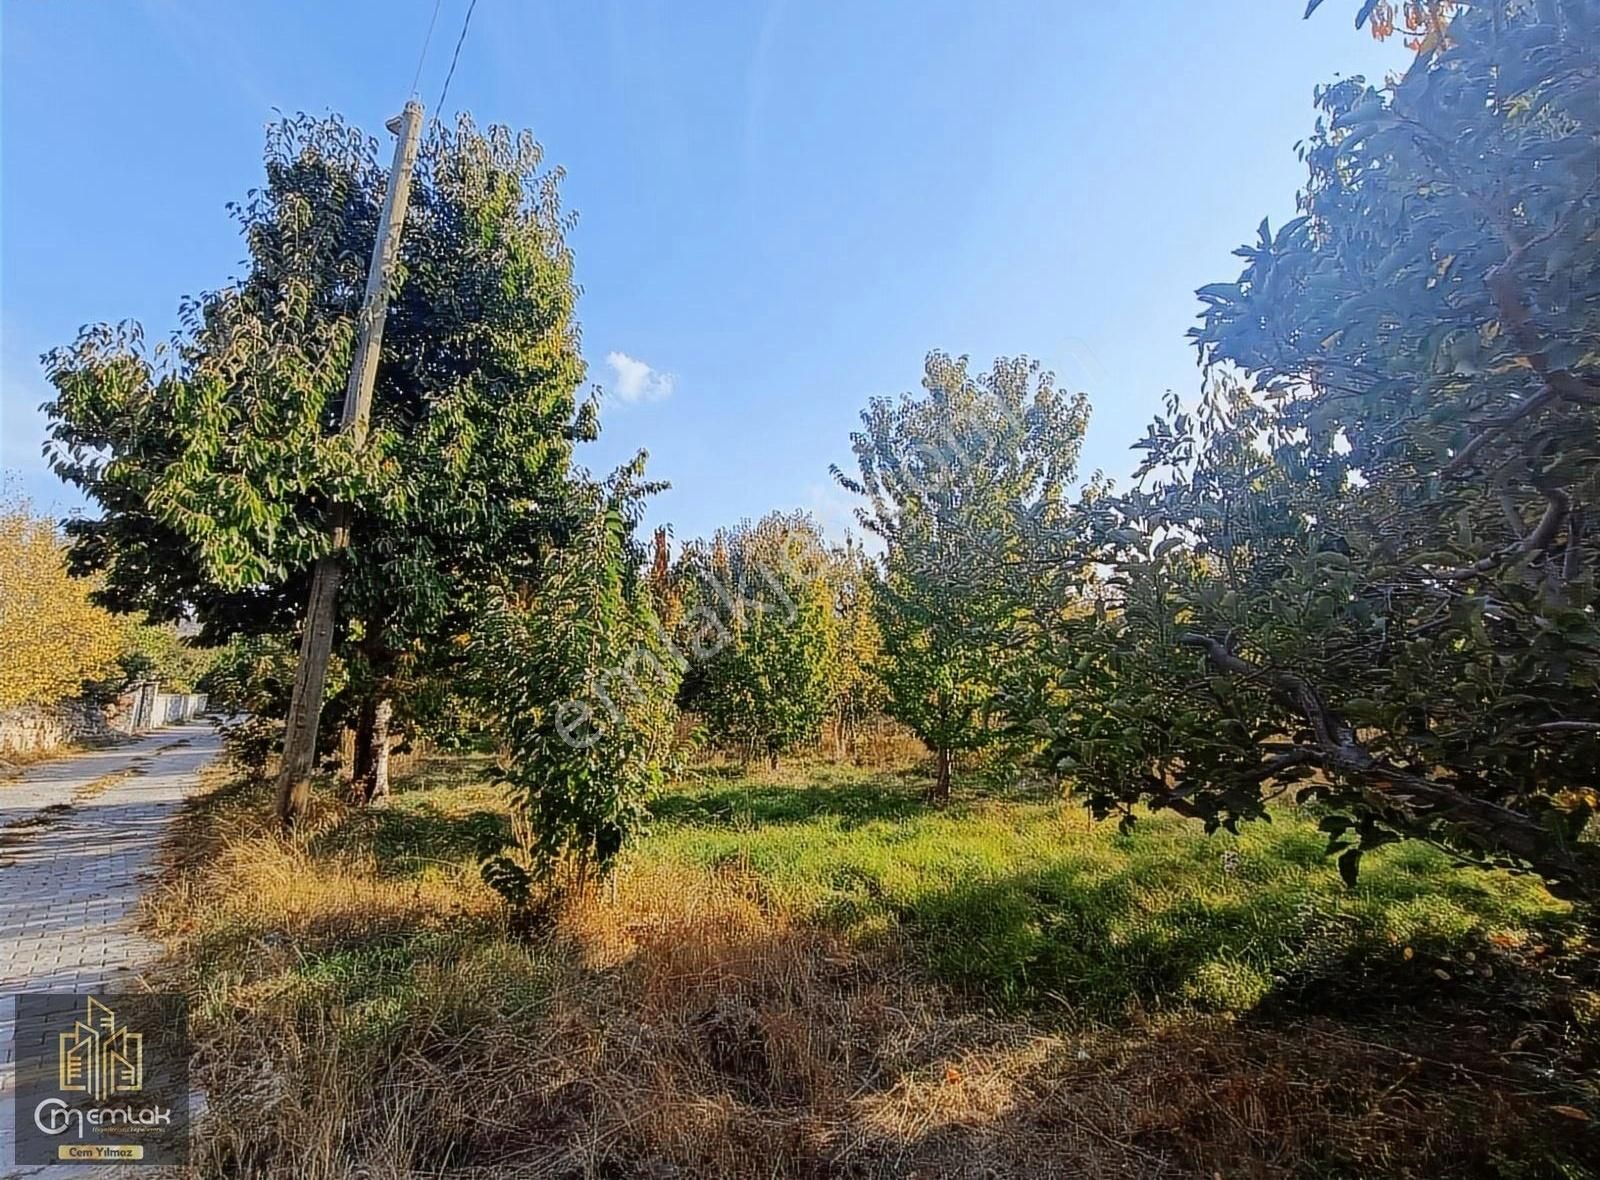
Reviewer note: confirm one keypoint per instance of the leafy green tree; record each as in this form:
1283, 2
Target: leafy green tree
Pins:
1375, 578
767, 680
160, 652
962, 485
579, 673
214, 459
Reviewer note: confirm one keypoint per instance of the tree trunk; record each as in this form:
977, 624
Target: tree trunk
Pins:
380, 752
941, 784
361, 761
372, 756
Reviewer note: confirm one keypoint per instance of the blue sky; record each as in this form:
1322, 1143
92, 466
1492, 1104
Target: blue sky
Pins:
783, 206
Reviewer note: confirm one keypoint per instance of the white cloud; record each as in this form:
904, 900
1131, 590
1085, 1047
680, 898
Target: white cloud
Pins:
636, 381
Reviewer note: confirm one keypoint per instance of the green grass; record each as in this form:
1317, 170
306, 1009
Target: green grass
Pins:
369, 973
1025, 901
438, 818
1029, 901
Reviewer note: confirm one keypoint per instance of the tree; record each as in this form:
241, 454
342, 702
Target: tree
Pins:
214, 460
579, 673
1426, 22
1374, 578
52, 637
249, 683
768, 680
858, 692
961, 485
159, 651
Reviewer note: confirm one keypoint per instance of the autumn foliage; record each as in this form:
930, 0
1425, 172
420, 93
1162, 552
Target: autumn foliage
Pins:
52, 637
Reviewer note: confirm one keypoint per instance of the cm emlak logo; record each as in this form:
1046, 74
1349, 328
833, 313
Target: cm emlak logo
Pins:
84, 1093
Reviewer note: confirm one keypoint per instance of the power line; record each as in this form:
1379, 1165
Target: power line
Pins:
426, 41
438, 107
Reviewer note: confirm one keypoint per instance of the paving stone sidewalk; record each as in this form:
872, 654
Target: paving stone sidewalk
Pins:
78, 843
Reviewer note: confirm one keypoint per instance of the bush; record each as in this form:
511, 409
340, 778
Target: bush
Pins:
584, 687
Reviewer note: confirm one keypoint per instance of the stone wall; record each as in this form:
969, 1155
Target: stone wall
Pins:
37, 729
34, 730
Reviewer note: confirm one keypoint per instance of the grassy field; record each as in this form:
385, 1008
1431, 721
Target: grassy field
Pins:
1031, 902
811, 973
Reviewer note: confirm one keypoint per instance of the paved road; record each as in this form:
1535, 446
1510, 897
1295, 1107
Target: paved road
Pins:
78, 841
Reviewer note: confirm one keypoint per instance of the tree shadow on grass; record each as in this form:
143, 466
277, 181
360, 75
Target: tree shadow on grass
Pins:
851, 802
821, 1063
1060, 938
407, 839
778, 1023
406, 842
1101, 944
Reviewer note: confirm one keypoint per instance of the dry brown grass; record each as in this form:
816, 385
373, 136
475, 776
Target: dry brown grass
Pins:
353, 1021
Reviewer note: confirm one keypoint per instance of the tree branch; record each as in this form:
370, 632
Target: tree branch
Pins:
1276, 766
1332, 733
1499, 827
1546, 395
1514, 315
1572, 560
1541, 538
1519, 527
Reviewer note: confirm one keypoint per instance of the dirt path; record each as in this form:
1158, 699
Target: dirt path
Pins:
78, 843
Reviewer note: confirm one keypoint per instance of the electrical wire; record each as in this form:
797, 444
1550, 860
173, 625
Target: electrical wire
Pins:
438, 107
426, 41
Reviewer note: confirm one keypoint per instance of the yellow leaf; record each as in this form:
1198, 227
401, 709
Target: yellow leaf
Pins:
52, 638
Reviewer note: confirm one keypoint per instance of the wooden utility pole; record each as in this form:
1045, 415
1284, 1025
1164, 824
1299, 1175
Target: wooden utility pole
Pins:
316, 643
